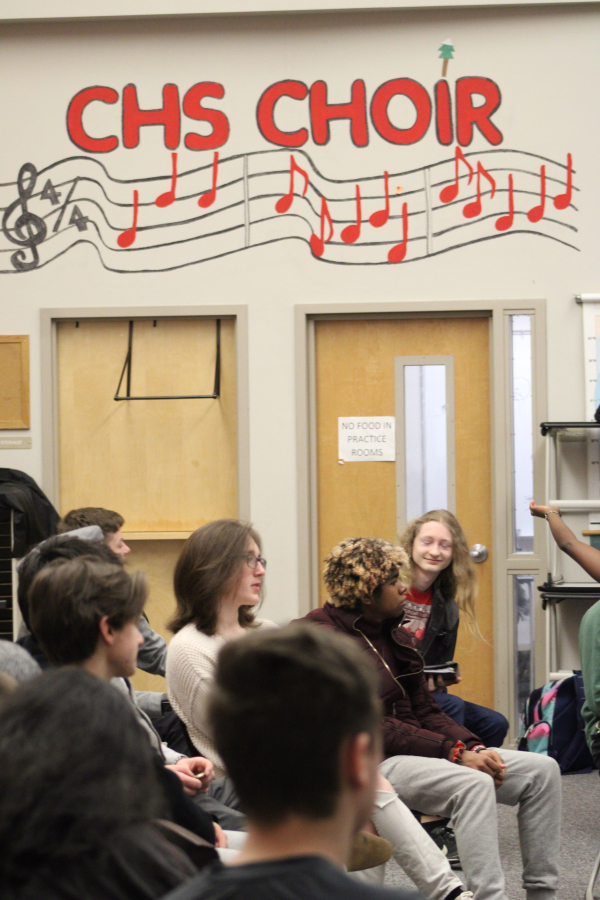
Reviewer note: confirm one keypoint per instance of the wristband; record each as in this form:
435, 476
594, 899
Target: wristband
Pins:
556, 512
478, 748
459, 749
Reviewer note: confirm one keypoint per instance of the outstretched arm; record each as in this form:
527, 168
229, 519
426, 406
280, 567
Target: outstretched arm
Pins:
587, 557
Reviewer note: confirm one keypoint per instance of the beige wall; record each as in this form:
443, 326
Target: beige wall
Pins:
546, 63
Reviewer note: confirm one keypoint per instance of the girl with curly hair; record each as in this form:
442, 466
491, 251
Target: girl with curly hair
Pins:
444, 585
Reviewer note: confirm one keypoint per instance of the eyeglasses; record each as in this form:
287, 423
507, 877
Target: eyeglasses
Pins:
253, 560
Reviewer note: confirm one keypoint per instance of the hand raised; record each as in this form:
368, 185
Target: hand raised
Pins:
539, 511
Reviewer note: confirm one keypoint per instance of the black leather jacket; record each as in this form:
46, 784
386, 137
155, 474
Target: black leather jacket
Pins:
439, 643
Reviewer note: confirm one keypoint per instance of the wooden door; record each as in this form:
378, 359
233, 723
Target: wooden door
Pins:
354, 365
168, 466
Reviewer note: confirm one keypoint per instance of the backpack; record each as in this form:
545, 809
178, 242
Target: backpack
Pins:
553, 724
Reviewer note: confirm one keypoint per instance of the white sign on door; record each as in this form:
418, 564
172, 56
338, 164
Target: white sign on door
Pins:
367, 438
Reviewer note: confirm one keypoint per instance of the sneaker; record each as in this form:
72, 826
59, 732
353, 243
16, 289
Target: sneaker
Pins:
445, 840
466, 895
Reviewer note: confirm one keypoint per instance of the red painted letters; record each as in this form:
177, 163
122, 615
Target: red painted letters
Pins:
134, 117
468, 115
420, 99
322, 113
266, 109
75, 114
193, 109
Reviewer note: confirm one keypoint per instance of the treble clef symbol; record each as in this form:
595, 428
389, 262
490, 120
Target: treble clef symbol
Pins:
29, 230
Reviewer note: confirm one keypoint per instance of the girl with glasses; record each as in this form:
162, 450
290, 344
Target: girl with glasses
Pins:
218, 581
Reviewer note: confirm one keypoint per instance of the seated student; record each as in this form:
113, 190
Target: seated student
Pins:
152, 655
218, 800
435, 765
108, 520
302, 706
78, 793
218, 581
84, 612
443, 582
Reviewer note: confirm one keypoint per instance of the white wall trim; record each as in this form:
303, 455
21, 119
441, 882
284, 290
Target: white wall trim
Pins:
74, 10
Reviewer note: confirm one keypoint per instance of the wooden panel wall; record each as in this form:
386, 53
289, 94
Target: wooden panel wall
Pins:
14, 381
165, 465
157, 559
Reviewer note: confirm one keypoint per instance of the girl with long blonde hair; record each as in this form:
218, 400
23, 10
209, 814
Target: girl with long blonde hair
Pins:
444, 587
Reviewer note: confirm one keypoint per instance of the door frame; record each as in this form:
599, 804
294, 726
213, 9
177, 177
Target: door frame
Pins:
506, 563
49, 320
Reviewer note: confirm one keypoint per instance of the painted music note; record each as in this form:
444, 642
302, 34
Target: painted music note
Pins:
29, 230
284, 203
208, 199
379, 218
126, 238
562, 201
503, 223
537, 212
317, 244
169, 196
450, 192
351, 233
398, 252
474, 208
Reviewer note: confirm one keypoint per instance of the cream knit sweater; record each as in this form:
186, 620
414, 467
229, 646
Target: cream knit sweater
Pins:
191, 661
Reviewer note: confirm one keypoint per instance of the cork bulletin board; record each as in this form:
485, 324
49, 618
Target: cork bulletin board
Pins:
14, 381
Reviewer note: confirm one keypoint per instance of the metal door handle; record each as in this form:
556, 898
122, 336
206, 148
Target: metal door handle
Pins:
478, 553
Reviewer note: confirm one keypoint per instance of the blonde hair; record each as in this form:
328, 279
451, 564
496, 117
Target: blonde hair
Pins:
459, 579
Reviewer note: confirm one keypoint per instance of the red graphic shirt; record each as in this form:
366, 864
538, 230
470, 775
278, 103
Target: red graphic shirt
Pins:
417, 608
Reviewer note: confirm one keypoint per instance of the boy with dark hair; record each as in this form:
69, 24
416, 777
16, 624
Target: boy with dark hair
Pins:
108, 520
278, 696
102, 528
84, 612
219, 800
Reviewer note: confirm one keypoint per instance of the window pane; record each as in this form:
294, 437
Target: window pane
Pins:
425, 439
522, 432
524, 641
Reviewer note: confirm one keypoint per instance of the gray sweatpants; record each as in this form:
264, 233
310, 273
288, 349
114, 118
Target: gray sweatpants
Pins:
468, 797
222, 802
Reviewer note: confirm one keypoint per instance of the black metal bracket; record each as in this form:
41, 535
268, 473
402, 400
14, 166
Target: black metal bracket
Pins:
561, 426
127, 368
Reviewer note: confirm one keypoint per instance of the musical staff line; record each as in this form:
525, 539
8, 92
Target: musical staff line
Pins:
253, 199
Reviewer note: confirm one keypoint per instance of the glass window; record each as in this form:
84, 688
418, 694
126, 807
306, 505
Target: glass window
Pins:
425, 439
524, 641
522, 432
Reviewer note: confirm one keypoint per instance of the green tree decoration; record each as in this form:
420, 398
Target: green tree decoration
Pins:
447, 52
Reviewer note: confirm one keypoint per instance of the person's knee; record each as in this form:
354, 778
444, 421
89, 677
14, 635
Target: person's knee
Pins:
453, 706
477, 787
383, 784
499, 725
547, 767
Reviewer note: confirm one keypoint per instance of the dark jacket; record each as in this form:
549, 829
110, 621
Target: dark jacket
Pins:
413, 723
439, 642
34, 517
